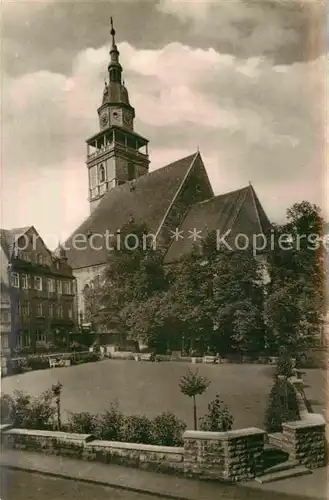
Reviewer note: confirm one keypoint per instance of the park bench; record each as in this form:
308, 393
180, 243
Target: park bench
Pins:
210, 359
147, 356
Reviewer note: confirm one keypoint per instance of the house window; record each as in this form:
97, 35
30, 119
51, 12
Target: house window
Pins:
4, 341
67, 287
51, 287
25, 308
39, 309
38, 283
40, 337
25, 256
59, 287
60, 311
15, 280
4, 316
39, 259
69, 311
24, 281
51, 310
131, 171
101, 173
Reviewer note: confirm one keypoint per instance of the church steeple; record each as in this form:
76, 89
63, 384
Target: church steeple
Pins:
114, 67
116, 154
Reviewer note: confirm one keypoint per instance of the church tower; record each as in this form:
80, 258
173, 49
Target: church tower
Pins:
116, 154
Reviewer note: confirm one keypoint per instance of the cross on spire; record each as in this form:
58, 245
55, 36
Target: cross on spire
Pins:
112, 32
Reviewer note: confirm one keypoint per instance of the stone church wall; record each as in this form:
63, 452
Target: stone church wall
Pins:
84, 277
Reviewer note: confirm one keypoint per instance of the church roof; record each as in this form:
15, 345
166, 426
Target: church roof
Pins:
237, 212
146, 200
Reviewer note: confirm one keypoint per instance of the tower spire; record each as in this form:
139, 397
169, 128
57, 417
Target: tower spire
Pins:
112, 33
114, 67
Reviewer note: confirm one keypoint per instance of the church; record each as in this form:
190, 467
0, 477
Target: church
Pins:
176, 202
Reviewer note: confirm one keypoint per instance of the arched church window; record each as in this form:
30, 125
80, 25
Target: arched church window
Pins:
101, 173
131, 171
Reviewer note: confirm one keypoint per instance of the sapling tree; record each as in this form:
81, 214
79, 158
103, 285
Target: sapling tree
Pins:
192, 384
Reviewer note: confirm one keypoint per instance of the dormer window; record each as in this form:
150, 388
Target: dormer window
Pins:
101, 173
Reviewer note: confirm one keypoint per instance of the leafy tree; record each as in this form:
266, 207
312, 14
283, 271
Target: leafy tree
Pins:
131, 278
192, 385
218, 418
295, 304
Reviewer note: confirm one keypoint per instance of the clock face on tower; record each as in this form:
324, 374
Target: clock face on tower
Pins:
104, 119
127, 119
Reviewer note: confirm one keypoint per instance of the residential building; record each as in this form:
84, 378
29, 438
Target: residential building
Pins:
40, 293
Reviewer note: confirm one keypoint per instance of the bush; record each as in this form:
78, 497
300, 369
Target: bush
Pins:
7, 405
37, 362
82, 423
285, 365
218, 418
110, 424
282, 406
138, 429
168, 430
24, 411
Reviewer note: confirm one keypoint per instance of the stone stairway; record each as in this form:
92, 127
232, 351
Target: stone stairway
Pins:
277, 465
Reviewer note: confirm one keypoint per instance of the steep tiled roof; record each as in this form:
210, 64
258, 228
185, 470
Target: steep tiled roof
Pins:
9, 236
238, 211
146, 200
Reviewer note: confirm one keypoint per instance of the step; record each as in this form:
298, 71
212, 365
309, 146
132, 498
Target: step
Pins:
283, 474
289, 464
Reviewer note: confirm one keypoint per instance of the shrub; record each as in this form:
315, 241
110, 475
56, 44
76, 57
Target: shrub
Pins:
285, 364
138, 429
37, 362
282, 406
82, 423
218, 418
24, 411
110, 424
7, 405
168, 430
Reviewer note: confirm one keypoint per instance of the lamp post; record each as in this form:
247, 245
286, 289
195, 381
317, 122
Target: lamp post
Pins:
57, 390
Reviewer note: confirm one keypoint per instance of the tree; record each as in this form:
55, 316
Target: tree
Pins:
295, 304
193, 385
282, 405
133, 276
236, 303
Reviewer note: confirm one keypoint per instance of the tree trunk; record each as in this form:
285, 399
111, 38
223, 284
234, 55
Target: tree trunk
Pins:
194, 414
59, 425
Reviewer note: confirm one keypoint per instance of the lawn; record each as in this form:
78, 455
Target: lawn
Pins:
150, 388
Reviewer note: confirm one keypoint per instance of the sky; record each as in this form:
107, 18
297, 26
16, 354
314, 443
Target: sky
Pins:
242, 80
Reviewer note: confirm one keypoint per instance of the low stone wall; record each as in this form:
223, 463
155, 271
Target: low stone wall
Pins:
230, 456
86, 447
305, 441
226, 456
57, 443
143, 456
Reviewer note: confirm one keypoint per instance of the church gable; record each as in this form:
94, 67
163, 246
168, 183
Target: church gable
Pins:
228, 215
195, 188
